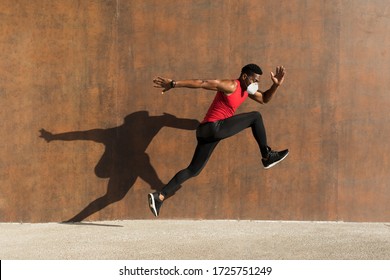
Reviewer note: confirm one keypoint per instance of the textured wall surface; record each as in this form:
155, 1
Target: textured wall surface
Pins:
82, 71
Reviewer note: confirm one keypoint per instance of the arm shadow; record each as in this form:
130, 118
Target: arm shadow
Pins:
124, 158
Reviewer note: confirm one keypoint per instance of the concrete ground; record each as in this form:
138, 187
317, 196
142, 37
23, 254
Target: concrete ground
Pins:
195, 240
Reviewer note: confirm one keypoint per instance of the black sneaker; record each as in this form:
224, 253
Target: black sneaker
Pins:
154, 203
274, 158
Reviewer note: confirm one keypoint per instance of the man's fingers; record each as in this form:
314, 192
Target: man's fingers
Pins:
280, 71
158, 80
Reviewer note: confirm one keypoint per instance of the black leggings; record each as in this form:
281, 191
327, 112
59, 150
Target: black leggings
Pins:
208, 136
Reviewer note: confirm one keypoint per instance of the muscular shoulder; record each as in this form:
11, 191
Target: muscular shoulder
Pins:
227, 86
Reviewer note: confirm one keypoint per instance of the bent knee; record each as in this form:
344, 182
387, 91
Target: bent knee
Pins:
256, 115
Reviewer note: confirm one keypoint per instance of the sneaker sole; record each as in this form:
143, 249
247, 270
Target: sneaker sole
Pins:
276, 162
152, 204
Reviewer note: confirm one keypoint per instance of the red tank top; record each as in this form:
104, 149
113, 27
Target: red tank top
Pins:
224, 106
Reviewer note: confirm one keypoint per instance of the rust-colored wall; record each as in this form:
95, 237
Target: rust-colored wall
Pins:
83, 70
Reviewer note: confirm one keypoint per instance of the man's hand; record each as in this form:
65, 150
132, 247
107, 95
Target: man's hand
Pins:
278, 77
164, 83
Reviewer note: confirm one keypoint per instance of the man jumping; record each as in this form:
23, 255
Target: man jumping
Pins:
220, 122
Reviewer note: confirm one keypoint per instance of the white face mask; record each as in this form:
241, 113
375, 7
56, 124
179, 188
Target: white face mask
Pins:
252, 88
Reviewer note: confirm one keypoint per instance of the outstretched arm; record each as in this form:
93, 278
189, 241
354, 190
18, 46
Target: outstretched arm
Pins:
226, 86
277, 79
96, 135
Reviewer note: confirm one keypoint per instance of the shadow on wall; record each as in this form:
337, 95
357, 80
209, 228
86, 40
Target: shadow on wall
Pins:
124, 158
